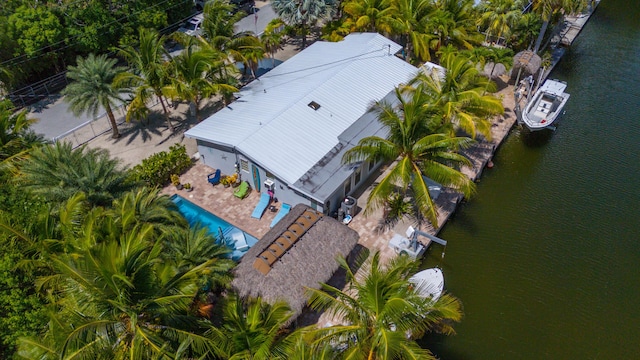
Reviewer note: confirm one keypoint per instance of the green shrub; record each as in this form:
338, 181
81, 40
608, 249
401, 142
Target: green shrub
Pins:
156, 170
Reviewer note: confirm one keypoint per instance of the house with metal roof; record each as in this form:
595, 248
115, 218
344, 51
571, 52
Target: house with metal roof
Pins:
287, 130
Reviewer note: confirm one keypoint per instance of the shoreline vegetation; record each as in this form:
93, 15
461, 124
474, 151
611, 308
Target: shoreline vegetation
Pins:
120, 273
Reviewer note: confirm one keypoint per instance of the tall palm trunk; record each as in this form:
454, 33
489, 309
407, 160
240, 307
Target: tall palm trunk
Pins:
543, 30
166, 112
112, 120
304, 34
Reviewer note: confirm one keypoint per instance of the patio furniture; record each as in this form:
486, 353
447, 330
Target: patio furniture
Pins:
284, 210
242, 190
262, 205
214, 178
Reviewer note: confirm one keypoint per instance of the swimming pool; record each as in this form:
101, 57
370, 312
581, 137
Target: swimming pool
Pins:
234, 238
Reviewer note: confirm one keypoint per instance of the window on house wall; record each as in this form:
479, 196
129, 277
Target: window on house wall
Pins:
358, 175
269, 175
347, 187
244, 165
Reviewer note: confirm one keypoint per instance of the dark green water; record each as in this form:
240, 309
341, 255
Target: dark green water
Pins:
546, 257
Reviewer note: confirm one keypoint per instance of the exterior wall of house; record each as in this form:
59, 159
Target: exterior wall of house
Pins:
353, 185
225, 159
217, 157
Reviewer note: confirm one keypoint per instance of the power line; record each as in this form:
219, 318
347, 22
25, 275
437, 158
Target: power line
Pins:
73, 40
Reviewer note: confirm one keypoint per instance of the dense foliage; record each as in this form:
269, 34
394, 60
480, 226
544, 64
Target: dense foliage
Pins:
156, 170
38, 38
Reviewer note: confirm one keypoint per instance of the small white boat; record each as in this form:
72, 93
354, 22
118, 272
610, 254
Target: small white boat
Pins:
546, 106
430, 283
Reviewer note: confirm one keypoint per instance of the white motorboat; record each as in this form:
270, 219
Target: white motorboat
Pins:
429, 282
546, 106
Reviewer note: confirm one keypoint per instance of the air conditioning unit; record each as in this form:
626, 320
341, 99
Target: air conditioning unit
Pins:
269, 184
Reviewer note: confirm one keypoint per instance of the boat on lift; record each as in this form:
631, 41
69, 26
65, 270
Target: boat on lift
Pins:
429, 282
546, 106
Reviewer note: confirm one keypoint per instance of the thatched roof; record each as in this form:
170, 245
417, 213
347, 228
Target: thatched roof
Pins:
311, 261
528, 61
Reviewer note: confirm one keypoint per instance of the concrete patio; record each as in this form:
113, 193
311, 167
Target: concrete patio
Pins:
220, 201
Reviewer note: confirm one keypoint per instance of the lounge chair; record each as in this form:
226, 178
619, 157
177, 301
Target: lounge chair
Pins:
242, 190
262, 206
284, 210
214, 178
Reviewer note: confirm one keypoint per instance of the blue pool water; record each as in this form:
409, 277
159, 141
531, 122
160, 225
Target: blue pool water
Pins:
232, 236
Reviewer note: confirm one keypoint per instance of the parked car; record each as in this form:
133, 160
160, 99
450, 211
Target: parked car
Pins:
193, 26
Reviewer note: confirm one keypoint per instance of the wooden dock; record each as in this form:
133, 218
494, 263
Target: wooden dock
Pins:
565, 34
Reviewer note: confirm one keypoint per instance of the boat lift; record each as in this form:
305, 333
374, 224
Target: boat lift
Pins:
410, 245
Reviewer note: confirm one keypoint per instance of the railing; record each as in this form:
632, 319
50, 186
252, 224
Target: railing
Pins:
40, 90
100, 125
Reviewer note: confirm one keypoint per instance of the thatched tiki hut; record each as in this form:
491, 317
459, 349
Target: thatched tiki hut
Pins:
525, 63
268, 272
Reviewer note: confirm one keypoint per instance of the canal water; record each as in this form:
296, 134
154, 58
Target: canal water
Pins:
546, 256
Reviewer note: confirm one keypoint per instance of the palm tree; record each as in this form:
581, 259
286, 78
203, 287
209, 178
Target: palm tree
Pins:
254, 330
502, 56
148, 74
419, 153
120, 287
92, 87
462, 32
57, 172
144, 205
199, 74
526, 30
408, 22
304, 13
499, 17
369, 15
273, 38
548, 8
218, 29
460, 97
379, 309
115, 299
16, 136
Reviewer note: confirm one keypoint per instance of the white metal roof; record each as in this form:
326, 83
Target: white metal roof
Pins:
271, 122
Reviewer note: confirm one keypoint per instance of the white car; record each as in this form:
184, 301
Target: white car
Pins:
193, 26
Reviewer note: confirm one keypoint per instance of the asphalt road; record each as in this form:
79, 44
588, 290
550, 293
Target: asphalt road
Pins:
54, 116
